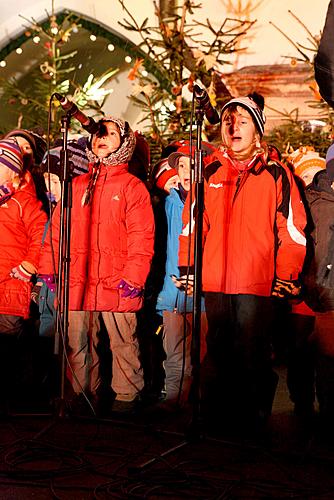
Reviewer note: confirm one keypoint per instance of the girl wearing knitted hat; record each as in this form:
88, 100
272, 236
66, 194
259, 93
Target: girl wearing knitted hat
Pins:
22, 224
112, 234
253, 248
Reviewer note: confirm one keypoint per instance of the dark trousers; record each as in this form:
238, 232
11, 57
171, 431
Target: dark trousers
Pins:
301, 361
237, 379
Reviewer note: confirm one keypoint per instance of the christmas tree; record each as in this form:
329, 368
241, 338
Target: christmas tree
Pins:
29, 96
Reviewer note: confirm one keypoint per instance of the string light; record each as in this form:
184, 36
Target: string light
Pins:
93, 38
19, 50
111, 47
54, 30
36, 39
127, 59
144, 73
3, 64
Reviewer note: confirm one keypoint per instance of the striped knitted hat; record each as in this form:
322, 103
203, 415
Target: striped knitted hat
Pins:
305, 159
36, 141
254, 104
11, 156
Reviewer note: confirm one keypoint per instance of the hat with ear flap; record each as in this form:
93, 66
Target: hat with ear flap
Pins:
126, 148
254, 104
11, 155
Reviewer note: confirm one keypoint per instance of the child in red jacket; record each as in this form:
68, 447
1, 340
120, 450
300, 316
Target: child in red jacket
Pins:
22, 222
112, 233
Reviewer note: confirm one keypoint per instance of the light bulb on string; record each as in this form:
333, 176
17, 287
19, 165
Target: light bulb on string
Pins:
36, 39
128, 59
19, 50
3, 64
93, 38
111, 47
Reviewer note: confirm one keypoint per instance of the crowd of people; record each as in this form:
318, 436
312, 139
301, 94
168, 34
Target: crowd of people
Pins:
268, 246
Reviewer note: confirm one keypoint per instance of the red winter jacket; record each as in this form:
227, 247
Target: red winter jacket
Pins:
22, 223
252, 227
111, 239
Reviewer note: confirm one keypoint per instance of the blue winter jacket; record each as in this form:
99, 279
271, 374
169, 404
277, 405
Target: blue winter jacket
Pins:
171, 298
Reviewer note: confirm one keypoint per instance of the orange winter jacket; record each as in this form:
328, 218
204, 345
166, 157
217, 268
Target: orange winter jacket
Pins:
22, 224
111, 239
253, 225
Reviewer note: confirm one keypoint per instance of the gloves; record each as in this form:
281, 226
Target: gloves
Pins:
130, 291
35, 291
286, 288
185, 282
20, 273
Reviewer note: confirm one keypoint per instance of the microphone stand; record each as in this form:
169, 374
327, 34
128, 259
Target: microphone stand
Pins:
194, 431
61, 329
63, 260
197, 294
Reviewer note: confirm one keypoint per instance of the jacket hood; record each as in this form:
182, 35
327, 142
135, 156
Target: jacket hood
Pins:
320, 187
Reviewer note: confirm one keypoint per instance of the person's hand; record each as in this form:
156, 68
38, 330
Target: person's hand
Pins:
286, 289
185, 283
21, 273
35, 291
129, 290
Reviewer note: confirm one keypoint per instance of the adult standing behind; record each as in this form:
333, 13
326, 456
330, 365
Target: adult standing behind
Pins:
253, 247
112, 233
324, 59
319, 282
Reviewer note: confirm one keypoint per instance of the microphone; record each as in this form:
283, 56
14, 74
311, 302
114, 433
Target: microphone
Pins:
203, 100
70, 107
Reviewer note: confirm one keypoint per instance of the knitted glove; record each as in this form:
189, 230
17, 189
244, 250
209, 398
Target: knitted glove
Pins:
35, 291
20, 273
286, 288
129, 290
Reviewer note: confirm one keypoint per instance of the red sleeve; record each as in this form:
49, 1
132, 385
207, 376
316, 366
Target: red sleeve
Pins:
49, 256
34, 219
187, 236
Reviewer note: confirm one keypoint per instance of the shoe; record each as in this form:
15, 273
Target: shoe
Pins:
126, 407
79, 406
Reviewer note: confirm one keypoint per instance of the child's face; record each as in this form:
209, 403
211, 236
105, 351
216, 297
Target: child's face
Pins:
24, 146
103, 144
6, 175
238, 130
184, 172
53, 185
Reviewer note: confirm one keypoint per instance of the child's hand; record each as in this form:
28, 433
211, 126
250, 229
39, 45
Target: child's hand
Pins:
185, 283
129, 290
21, 273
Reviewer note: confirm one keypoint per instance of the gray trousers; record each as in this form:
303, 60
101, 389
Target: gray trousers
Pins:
83, 371
177, 345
